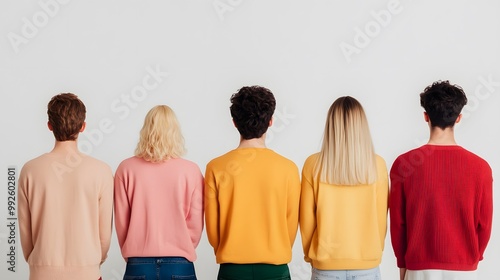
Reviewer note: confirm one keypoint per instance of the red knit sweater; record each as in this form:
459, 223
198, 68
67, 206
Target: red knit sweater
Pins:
440, 208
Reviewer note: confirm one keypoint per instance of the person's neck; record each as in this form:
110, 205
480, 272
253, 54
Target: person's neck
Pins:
253, 143
444, 137
65, 147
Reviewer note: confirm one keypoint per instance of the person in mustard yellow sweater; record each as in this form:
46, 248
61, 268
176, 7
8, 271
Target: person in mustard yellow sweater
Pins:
252, 197
343, 206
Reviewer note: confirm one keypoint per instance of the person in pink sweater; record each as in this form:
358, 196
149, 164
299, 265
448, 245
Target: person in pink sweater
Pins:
65, 202
441, 197
159, 203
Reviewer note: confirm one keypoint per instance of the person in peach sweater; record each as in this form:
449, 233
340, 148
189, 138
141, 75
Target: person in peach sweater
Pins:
65, 202
252, 196
159, 203
343, 204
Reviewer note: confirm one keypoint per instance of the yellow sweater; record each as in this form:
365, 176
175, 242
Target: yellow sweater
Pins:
251, 206
343, 227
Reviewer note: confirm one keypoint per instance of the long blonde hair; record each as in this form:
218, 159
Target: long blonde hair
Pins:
347, 156
160, 137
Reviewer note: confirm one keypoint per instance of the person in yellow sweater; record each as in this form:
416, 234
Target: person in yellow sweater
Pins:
343, 206
252, 197
65, 202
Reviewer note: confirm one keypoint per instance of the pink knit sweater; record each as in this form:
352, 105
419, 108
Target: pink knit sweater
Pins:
158, 208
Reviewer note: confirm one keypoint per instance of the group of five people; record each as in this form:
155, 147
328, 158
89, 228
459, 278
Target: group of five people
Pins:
253, 199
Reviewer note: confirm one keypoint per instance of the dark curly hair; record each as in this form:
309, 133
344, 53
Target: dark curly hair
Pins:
443, 103
252, 108
66, 115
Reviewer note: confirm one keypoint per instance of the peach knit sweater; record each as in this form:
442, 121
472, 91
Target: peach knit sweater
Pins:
65, 215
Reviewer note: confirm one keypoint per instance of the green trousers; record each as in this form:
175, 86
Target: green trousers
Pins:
229, 271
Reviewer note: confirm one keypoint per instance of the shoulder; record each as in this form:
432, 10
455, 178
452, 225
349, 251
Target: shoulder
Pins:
380, 160
311, 161
187, 165
41, 159
312, 158
279, 159
476, 160
415, 154
130, 162
131, 165
222, 159
94, 161
40, 162
96, 164
381, 164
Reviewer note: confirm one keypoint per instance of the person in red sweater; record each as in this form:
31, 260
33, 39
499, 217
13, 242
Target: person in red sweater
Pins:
441, 197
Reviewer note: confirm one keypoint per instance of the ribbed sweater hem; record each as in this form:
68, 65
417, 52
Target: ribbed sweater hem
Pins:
64, 272
189, 257
345, 264
443, 266
262, 260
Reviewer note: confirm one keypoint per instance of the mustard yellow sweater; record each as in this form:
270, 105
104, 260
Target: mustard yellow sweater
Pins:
343, 227
251, 206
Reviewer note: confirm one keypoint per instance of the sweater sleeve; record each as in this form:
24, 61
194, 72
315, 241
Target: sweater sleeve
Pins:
293, 204
194, 219
382, 199
106, 215
397, 215
485, 212
211, 209
307, 215
122, 207
24, 216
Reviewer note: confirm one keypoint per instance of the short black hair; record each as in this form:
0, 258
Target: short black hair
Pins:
443, 103
252, 108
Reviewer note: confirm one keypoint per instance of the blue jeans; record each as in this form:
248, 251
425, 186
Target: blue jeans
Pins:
353, 274
163, 268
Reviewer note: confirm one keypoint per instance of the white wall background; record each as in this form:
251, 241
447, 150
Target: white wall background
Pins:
308, 53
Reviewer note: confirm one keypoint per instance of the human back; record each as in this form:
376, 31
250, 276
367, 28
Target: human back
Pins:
67, 208
159, 202
253, 194
65, 202
441, 197
343, 211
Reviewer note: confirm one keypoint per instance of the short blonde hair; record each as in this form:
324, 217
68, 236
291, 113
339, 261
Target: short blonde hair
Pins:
160, 138
347, 156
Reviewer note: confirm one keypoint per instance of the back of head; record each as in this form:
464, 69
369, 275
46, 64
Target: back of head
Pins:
252, 109
347, 156
443, 103
66, 116
160, 136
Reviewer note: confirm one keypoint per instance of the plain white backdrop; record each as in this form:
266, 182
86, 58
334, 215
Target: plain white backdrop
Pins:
124, 57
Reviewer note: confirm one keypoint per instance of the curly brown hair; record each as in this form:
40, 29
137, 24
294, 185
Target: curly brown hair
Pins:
66, 116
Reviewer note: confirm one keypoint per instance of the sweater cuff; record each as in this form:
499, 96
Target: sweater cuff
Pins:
401, 263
